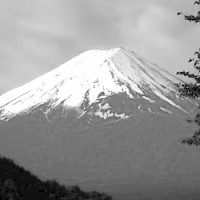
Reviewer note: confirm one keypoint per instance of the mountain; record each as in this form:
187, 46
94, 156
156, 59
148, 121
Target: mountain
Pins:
90, 82
108, 120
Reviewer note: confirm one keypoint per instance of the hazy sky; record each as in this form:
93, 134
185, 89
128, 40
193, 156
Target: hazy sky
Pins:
37, 36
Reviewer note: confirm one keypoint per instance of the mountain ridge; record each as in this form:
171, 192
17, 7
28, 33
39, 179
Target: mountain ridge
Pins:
107, 120
94, 74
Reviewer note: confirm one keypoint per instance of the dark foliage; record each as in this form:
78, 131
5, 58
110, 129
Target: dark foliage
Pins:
16, 183
194, 140
192, 89
192, 18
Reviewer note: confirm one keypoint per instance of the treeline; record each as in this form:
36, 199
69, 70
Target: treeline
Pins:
16, 183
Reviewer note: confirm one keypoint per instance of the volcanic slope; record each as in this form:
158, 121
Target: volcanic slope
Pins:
107, 120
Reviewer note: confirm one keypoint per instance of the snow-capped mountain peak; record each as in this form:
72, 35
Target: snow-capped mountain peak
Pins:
93, 76
106, 119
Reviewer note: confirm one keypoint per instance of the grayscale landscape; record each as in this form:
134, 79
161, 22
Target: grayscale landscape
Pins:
90, 98
116, 128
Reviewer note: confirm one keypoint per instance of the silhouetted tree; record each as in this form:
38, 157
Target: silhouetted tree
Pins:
16, 183
8, 190
192, 89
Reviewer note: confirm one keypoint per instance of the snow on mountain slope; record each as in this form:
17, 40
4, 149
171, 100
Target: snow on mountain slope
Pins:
93, 76
107, 120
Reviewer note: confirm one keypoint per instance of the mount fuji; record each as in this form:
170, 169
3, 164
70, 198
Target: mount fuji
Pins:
108, 120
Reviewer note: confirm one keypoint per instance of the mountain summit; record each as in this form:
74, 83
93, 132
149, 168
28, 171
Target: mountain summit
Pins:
88, 82
107, 120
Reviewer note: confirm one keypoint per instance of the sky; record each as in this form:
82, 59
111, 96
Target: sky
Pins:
38, 36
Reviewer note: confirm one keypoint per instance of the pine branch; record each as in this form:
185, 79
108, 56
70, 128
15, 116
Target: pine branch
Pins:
188, 74
189, 90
